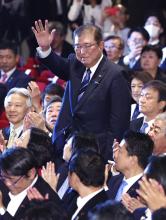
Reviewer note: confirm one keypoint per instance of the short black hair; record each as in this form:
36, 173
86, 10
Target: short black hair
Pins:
44, 209
17, 161
84, 140
40, 145
155, 48
110, 210
53, 89
140, 30
156, 170
89, 166
139, 145
159, 86
115, 37
143, 76
6, 44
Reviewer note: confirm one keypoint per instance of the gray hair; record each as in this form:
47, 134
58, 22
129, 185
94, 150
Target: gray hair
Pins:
161, 117
21, 91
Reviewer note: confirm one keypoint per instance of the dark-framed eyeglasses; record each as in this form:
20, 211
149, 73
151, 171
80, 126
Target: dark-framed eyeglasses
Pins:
86, 46
4, 178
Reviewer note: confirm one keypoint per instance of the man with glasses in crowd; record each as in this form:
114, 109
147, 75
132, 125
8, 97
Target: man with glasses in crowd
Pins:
97, 98
18, 174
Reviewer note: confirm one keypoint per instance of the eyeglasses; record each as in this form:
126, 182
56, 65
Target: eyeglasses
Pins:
86, 46
112, 47
9, 179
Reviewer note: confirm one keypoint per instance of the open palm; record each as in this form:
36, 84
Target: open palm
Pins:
41, 32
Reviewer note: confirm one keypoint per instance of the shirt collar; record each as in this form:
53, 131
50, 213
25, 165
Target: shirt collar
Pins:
133, 179
82, 201
93, 68
9, 73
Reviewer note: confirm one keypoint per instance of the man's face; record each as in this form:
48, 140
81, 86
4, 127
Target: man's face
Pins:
16, 109
88, 51
148, 102
8, 60
136, 40
158, 134
112, 47
52, 113
16, 184
123, 160
149, 61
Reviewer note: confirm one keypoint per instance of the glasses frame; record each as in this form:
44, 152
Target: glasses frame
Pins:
4, 178
86, 46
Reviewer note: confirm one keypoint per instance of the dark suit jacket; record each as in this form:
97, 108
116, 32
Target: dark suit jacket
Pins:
17, 79
136, 124
115, 183
43, 188
99, 110
82, 215
3, 92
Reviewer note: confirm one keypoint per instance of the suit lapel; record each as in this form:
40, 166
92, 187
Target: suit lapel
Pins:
94, 83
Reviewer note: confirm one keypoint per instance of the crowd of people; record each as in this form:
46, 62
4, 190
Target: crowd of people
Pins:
83, 126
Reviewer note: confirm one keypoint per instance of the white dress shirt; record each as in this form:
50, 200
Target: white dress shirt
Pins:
82, 201
16, 200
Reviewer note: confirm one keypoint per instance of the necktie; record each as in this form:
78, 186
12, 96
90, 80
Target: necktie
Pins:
3, 77
11, 138
136, 112
120, 191
143, 127
84, 83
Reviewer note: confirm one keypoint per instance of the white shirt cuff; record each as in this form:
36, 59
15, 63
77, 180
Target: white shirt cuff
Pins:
43, 54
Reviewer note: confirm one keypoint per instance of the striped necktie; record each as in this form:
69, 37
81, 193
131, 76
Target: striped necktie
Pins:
84, 83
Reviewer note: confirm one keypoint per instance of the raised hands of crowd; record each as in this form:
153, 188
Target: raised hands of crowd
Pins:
34, 119
152, 193
42, 34
35, 94
131, 203
49, 175
33, 193
2, 142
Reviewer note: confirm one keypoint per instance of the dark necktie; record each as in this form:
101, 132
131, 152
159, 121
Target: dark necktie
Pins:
84, 83
136, 112
143, 127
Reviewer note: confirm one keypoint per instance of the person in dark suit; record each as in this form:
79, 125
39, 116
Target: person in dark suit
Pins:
132, 158
18, 175
137, 38
86, 176
9, 74
95, 92
151, 56
3, 92
151, 103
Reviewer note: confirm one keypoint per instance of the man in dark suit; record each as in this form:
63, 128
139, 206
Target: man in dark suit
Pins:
95, 92
86, 176
151, 103
9, 74
134, 152
137, 38
18, 175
